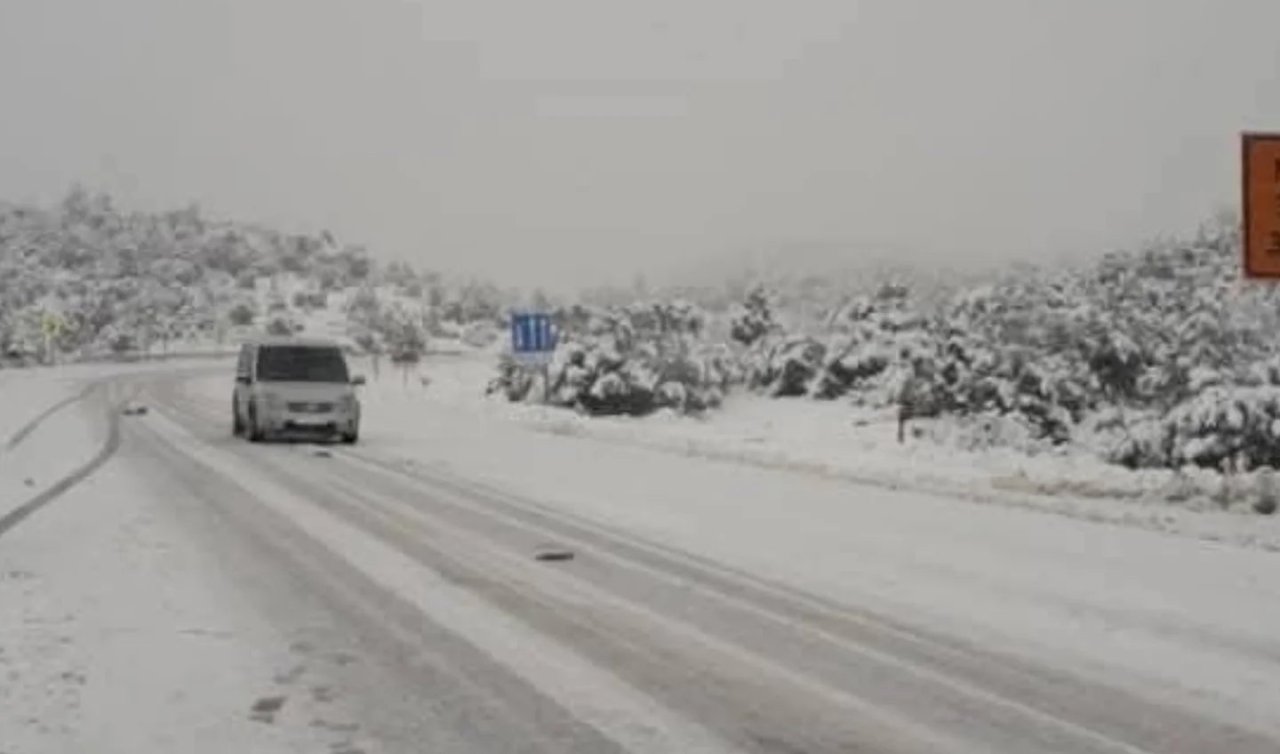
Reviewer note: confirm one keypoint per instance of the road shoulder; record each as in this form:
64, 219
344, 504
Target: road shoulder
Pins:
119, 633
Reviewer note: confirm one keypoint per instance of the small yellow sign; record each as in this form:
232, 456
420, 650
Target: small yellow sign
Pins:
51, 325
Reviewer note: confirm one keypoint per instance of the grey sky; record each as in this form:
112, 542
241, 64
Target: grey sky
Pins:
583, 139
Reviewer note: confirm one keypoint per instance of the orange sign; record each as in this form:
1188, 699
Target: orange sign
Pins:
1262, 205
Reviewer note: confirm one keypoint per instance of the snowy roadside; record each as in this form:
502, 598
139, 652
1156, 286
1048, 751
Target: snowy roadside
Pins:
114, 638
117, 633
49, 428
831, 440
25, 394
45, 434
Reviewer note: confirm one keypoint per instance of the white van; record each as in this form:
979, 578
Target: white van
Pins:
290, 387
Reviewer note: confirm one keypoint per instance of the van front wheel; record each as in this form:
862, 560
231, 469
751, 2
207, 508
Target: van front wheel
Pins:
255, 431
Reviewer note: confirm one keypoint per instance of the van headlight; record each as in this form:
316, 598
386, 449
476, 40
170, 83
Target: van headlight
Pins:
347, 403
274, 402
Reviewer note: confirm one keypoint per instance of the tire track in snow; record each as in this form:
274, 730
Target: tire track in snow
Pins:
631, 719
875, 722
25, 430
1086, 712
1032, 705
108, 449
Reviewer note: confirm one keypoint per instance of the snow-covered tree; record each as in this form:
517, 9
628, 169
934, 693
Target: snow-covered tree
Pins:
754, 320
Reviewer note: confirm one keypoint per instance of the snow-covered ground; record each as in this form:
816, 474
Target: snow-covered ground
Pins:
117, 638
49, 425
1099, 597
835, 441
1171, 619
116, 635
45, 433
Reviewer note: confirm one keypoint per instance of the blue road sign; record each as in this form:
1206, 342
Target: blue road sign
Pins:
532, 335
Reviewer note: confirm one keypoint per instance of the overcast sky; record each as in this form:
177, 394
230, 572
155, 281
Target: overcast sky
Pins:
578, 140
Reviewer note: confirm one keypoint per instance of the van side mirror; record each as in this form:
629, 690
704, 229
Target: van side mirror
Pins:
243, 379
358, 379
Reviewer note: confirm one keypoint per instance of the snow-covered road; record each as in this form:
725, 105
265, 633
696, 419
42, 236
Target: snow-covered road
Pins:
197, 593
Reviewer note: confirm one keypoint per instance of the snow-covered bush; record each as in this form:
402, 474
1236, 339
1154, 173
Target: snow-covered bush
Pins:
280, 326
870, 342
241, 315
1130, 357
1222, 423
513, 380
305, 300
154, 276
785, 367
368, 343
403, 332
630, 360
480, 334
754, 319
119, 342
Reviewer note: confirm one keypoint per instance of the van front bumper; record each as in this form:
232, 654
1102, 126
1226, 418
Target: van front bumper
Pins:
312, 424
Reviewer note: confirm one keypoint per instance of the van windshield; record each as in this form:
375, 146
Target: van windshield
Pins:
301, 364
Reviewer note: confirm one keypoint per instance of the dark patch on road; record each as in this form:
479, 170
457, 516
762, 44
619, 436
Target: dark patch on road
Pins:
773, 744
289, 676
265, 709
335, 727
552, 553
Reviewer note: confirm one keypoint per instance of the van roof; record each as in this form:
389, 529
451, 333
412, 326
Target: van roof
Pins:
284, 340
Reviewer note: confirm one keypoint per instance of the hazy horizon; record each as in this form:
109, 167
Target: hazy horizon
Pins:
570, 142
